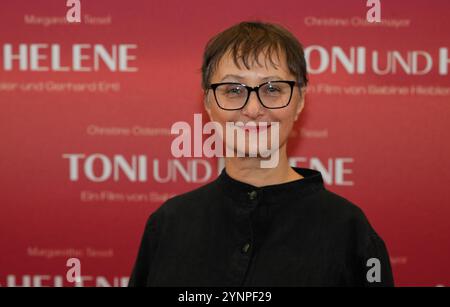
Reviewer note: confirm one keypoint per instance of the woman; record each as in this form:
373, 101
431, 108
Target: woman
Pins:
253, 225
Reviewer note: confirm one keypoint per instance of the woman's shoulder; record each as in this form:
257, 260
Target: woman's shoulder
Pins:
191, 201
337, 209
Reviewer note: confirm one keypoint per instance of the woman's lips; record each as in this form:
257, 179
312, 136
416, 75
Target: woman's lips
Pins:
256, 127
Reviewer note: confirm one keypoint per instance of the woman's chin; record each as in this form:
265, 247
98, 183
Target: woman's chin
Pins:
254, 151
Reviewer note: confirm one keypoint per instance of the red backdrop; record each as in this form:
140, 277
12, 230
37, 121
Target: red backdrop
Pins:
78, 101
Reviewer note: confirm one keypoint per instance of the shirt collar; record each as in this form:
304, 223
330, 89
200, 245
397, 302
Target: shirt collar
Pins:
245, 194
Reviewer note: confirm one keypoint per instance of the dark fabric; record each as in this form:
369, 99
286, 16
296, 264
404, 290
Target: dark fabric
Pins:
230, 233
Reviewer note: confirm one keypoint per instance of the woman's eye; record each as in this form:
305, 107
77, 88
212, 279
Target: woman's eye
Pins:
273, 89
235, 90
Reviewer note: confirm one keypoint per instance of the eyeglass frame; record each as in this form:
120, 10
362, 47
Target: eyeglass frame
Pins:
250, 89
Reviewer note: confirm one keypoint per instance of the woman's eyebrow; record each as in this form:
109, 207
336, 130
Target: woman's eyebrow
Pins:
241, 78
232, 77
271, 78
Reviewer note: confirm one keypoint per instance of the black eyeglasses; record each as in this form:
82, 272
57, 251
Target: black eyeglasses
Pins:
234, 96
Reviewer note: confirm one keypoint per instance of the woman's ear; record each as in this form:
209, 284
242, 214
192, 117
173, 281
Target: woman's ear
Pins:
301, 103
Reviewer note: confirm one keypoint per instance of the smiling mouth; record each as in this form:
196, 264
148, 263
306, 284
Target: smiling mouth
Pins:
255, 128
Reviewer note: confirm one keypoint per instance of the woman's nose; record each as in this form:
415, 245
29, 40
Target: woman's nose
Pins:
253, 107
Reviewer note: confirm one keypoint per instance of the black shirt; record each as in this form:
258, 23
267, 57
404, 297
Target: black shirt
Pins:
230, 233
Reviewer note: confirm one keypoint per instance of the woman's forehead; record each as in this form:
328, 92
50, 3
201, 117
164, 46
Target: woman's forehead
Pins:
265, 66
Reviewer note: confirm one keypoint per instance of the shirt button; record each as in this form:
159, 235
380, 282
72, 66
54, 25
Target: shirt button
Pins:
252, 195
245, 248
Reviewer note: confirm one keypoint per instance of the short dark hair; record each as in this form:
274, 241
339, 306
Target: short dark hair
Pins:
249, 39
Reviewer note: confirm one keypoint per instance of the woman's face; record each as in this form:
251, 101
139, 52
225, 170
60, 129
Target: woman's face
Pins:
254, 111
